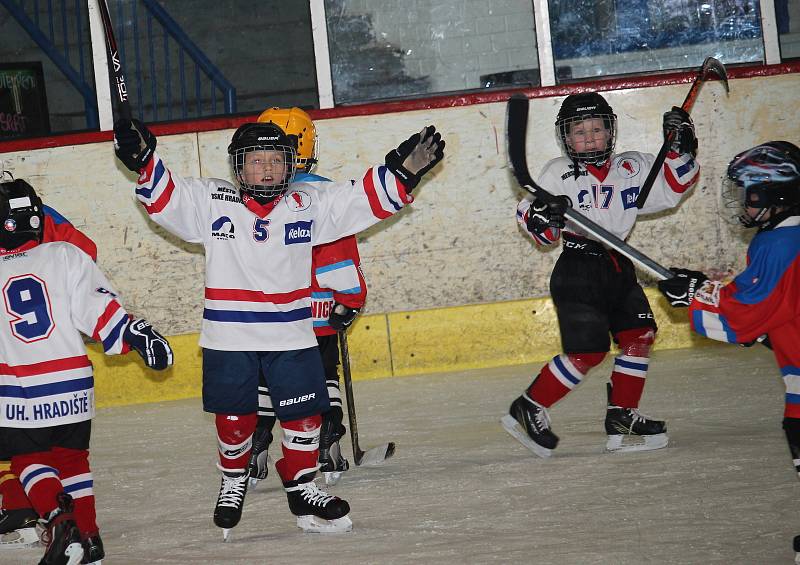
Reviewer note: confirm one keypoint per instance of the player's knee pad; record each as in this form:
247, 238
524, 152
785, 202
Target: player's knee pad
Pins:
234, 438
300, 447
583, 362
636, 342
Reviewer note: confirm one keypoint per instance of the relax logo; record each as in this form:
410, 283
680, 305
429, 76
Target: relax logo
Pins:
222, 228
298, 232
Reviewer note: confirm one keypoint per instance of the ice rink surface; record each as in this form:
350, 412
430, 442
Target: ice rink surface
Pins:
460, 490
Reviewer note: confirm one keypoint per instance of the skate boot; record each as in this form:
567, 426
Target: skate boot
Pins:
18, 528
528, 422
796, 546
630, 430
230, 501
316, 510
93, 552
258, 466
62, 536
331, 462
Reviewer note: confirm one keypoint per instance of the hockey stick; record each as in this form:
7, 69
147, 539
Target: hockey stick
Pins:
516, 129
114, 64
376, 455
710, 66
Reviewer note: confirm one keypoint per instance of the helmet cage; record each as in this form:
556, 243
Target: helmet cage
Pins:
564, 126
22, 214
766, 178
240, 162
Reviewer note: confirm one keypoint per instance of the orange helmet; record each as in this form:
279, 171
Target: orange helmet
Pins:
296, 123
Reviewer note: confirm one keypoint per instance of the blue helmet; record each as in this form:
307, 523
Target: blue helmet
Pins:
766, 177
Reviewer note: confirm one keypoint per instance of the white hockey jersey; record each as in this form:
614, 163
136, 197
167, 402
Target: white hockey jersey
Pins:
53, 292
258, 259
607, 195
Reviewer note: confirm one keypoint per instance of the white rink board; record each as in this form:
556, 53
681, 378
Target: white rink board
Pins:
460, 490
462, 226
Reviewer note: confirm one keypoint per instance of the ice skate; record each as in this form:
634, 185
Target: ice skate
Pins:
93, 552
258, 466
62, 536
796, 545
630, 430
18, 528
331, 462
228, 512
316, 510
529, 423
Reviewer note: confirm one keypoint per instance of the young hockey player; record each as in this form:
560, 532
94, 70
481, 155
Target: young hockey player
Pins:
762, 303
594, 288
53, 292
17, 516
258, 237
338, 292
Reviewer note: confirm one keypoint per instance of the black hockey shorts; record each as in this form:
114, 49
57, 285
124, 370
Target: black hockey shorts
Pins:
329, 349
21, 441
295, 379
595, 292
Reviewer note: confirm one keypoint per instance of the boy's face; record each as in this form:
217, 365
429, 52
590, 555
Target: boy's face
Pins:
265, 168
588, 135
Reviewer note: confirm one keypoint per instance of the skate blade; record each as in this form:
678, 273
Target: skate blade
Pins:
511, 425
332, 477
226, 534
74, 554
643, 443
316, 525
19, 539
377, 455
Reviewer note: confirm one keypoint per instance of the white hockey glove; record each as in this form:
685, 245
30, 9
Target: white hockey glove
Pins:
416, 156
342, 316
147, 342
680, 289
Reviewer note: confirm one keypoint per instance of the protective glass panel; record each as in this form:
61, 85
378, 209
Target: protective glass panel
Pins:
608, 37
382, 50
787, 18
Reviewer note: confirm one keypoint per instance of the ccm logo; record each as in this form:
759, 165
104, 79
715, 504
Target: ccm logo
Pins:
298, 400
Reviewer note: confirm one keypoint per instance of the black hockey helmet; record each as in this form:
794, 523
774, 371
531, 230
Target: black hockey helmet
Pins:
579, 107
765, 177
251, 172
22, 214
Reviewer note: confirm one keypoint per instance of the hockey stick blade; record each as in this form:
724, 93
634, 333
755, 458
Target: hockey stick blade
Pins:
376, 455
516, 130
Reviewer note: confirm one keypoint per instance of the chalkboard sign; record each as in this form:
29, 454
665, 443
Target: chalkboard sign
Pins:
23, 102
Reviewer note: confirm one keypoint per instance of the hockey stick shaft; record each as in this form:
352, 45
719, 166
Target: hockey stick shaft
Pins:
516, 130
348, 391
114, 64
709, 65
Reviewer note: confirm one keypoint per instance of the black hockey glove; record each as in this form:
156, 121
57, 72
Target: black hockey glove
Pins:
133, 143
547, 214
679, 290
678, 124
147, 342
416, 156
342, 316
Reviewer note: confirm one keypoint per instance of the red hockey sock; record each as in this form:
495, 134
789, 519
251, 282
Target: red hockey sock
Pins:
630, 367
563, 373
77, 481
300, 448
11, 490
39, 478
235, 438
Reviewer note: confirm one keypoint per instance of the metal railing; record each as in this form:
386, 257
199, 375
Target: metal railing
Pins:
169, 77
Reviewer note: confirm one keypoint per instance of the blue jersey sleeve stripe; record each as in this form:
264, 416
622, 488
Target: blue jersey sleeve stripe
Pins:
113, 335
57, 218
335, 266
382, 174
